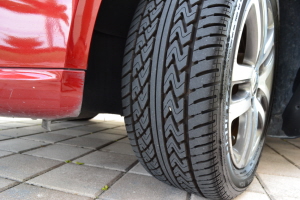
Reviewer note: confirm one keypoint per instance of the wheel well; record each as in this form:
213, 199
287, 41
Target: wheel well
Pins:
288, 60
102, 90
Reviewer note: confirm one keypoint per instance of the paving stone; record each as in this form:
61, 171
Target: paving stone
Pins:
70, 132
91, 143
107, 126
118, 122
104, 136
48, 137
108, 160
59, 152
3, 127
30, 192
286, 149
115, 131
267, 150
25, 120
81, 123
19, 145
256, 187
281, 186
63, 125
271, 139
19, 132
244, 196
95, 122
195, 197
10, 119
123, 128
5, 153
275, 164
279, 143
97, 119
290, 198
247, 195
31, 121
295, 142
119, 147
252, 195
89, 129
5, 183
77, 179
16, 124
137, 187
4, 137
117, 119
125, 140
35, 129
22, 167
139, 169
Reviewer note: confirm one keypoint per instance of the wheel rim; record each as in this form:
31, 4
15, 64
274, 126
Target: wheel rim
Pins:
252, 79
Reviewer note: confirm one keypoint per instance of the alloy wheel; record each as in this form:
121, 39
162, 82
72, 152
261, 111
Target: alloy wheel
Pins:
252, 79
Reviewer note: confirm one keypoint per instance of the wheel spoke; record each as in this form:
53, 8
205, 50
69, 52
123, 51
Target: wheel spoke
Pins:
242, 146
252, 138
246, 154
267, 67
261, 114
269, 44
239, 107
268, 34
258, 120
264, 88
254, 31
242, 73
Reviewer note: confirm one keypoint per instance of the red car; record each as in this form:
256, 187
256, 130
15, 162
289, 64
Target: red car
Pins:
200, 82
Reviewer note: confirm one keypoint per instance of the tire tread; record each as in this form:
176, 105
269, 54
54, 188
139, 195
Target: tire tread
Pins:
189, 83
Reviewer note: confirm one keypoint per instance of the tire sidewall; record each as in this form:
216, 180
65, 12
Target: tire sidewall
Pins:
239, 179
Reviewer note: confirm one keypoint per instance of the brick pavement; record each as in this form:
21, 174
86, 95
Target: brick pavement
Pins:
77, 159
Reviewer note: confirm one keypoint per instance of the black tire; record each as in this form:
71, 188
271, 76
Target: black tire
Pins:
175, 88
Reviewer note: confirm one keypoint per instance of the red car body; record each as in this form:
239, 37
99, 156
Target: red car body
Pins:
44, 47
62, 59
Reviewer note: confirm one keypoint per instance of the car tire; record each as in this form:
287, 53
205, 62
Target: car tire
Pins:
195, 103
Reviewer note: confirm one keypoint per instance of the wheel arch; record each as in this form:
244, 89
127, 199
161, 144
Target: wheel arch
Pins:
81, 29
102, 90
288, 60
